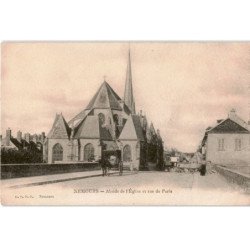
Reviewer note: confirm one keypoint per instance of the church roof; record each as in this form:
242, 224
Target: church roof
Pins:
138, 127
128, 93
105, 98
90, 128
132, 129
60, 128
78, 118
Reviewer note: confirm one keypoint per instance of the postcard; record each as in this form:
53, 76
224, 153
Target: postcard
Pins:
125, 123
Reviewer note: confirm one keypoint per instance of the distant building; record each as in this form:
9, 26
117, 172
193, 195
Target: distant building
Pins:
107, 123
28, 142
228, 142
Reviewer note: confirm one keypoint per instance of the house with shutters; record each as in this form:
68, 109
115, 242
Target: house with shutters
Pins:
107, 123
228, 142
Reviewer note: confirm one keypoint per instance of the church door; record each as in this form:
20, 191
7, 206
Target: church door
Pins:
57, 153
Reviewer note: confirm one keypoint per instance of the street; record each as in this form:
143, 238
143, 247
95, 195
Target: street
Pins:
142, 188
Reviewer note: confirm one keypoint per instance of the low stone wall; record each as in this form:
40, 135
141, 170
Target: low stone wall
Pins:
24, 170
232, 176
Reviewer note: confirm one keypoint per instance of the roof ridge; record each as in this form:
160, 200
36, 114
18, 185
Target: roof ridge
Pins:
228, 118
105, 97
106, 89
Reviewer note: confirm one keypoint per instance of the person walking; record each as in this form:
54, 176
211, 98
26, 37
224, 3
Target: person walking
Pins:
203, 167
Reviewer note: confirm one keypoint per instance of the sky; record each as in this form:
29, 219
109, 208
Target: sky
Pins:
181, 87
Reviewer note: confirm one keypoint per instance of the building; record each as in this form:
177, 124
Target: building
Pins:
107, 123
228, 142
27, 142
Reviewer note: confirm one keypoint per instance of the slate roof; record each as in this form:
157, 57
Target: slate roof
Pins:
105, 98
13, 142
138, 127
238, 120
144, 122
79, 117
228, 126
126, 109
132, 129
90, 128
60, 128
19, 145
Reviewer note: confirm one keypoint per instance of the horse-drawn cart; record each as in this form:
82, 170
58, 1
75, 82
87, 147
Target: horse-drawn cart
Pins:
111, 160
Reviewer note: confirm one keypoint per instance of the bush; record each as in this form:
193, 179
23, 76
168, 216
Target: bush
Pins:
9, 156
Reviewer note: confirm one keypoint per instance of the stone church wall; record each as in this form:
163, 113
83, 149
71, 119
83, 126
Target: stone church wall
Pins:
64, 143
135, 153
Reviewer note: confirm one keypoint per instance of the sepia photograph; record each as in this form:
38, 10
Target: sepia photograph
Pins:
125, 123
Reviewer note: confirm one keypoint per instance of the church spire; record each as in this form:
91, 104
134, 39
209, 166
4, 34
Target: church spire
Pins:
128, 94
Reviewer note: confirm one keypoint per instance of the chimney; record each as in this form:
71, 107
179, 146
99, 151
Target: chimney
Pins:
19, 136
27, 137
232, 113
8, 137
43, 137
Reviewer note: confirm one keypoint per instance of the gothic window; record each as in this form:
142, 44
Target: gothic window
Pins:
138, 150
89, 152
101, 118
127, 153
57, 153
116, 119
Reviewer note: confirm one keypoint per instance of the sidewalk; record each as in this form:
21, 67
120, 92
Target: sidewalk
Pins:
49, 179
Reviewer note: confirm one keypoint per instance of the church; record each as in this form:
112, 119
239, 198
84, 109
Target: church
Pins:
107, 123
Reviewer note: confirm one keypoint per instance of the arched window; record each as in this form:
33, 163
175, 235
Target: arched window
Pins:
57, 153
127, 153
101, 118
116, 119
89, 152
138, 150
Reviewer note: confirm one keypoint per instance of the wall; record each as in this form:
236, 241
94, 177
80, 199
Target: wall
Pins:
229, 156
64, 143
231, 176
96, 144
135, 159
24, 170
